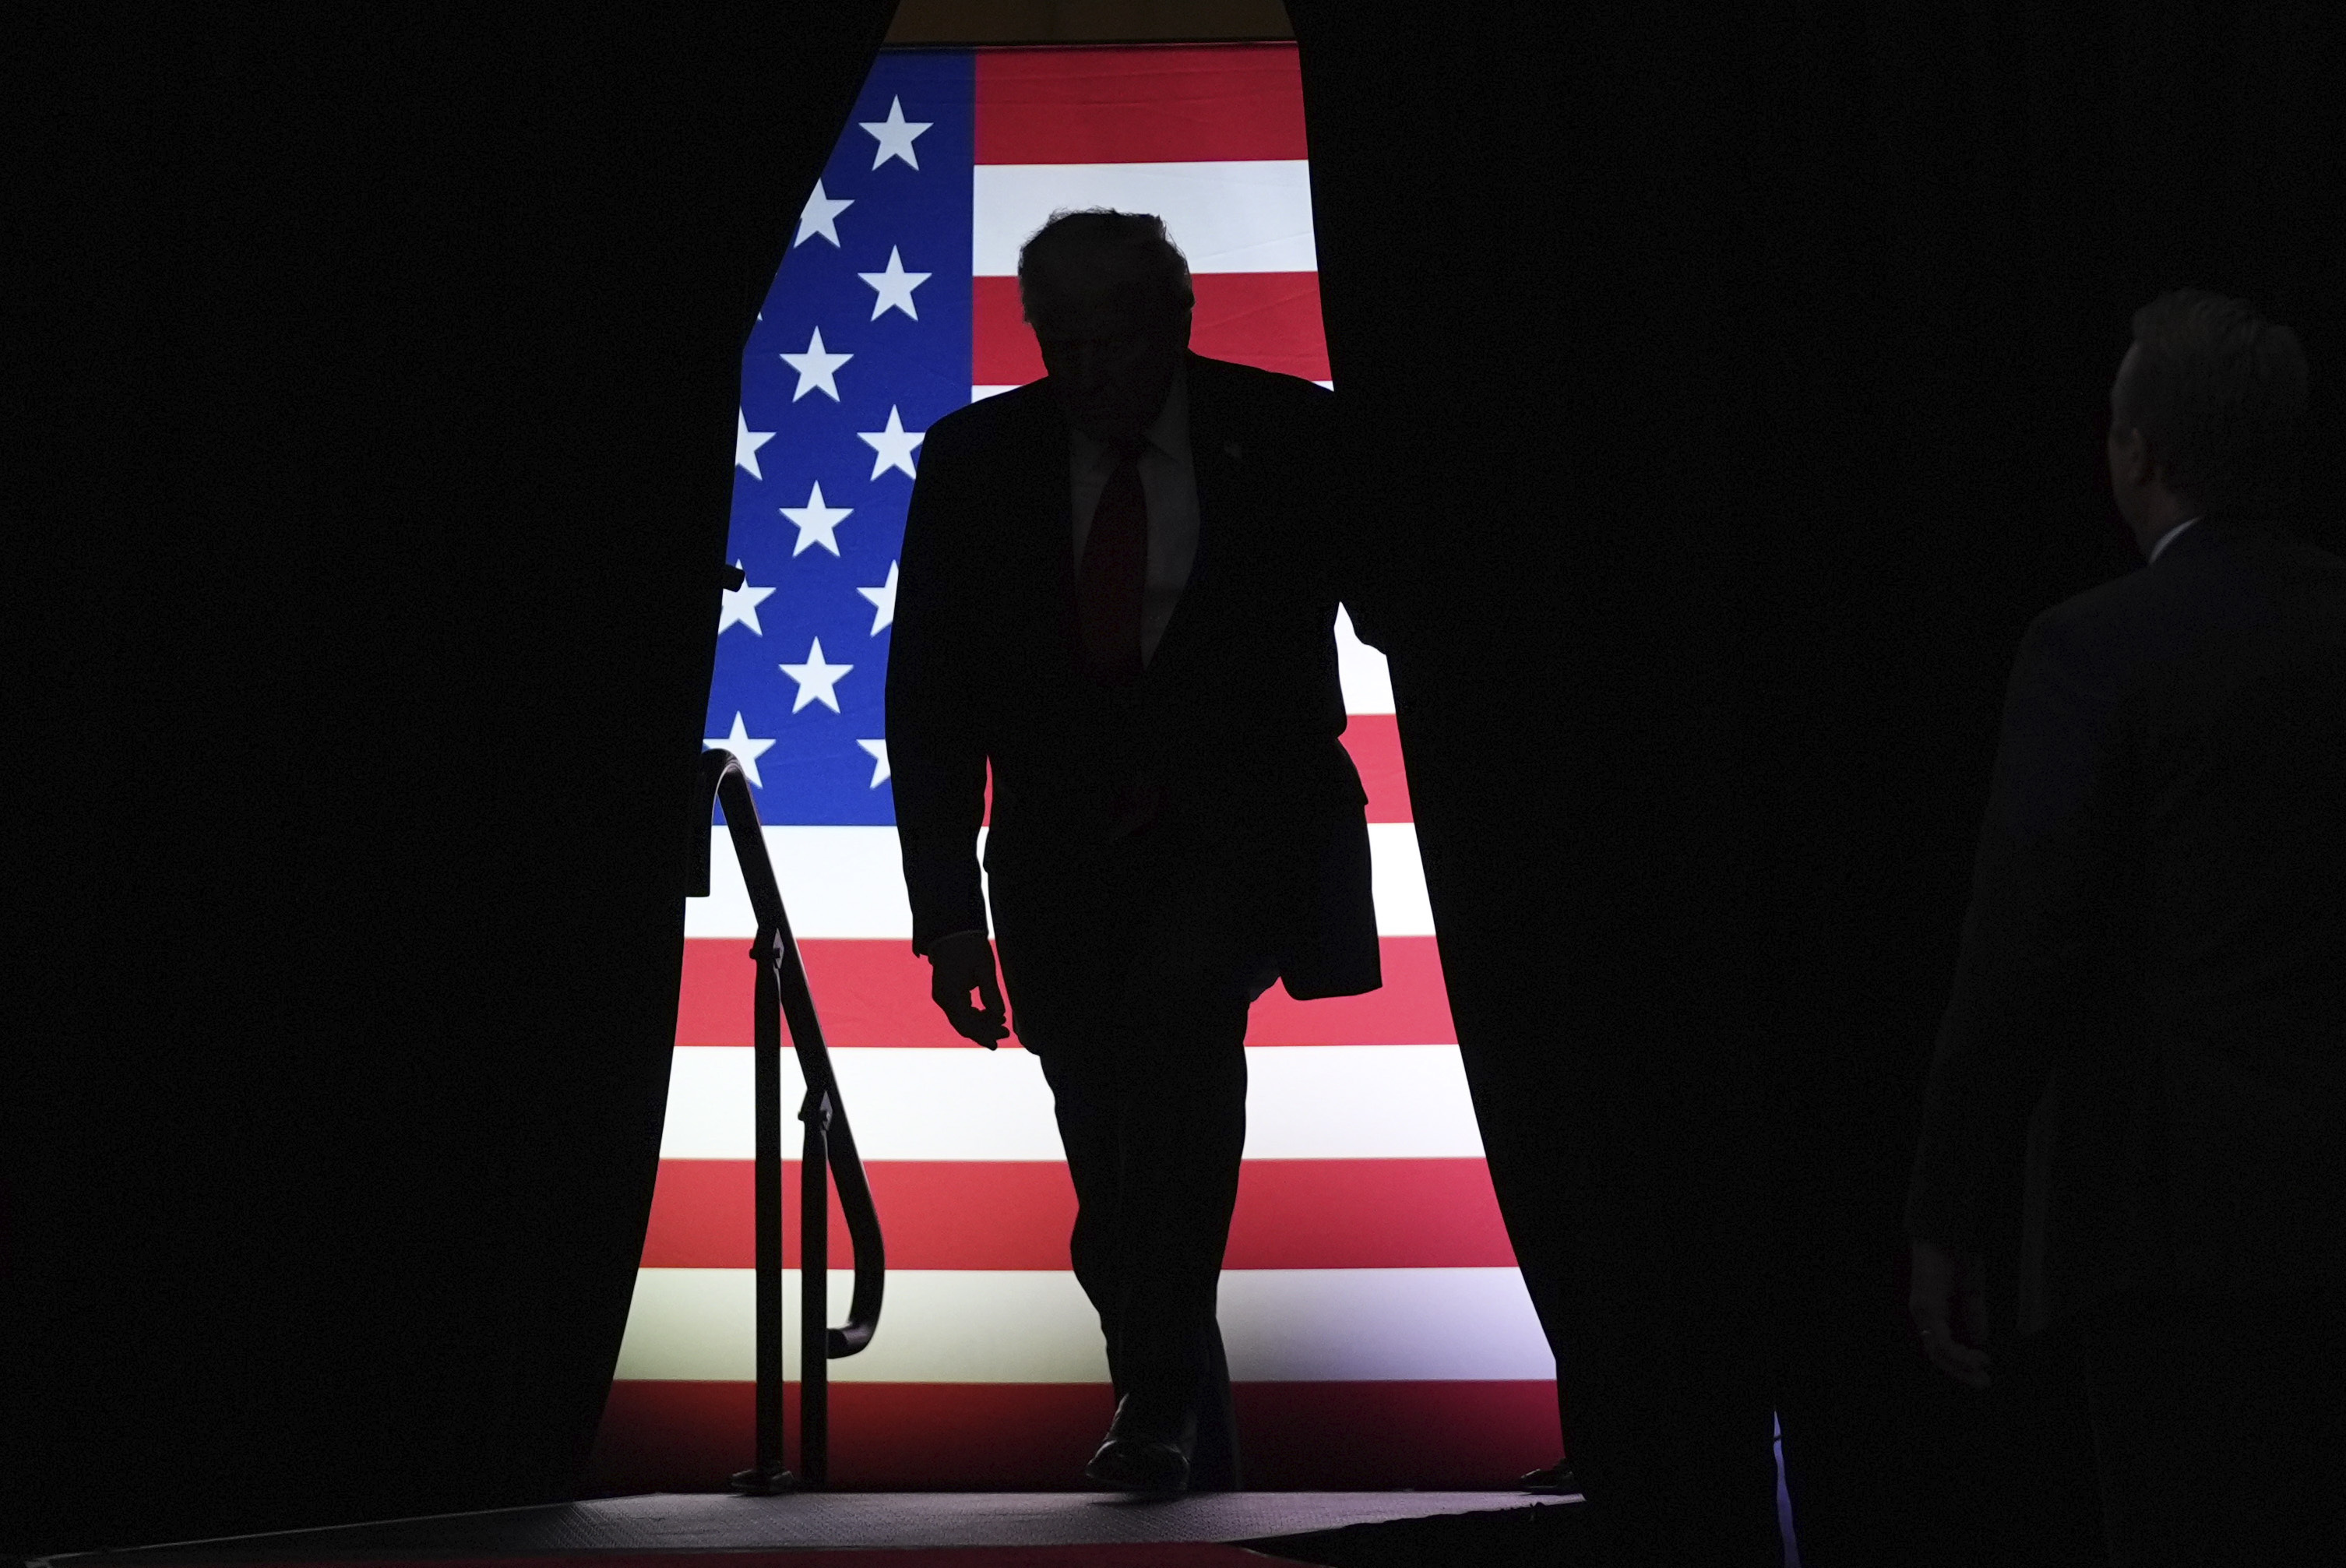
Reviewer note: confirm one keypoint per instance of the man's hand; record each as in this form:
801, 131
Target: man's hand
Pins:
959, 964
1947, 1300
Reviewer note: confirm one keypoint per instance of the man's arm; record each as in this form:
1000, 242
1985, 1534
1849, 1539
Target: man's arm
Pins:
2045, 851
936, 754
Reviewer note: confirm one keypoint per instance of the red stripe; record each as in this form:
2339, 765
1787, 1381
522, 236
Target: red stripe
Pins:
1367, 1214
876, 992
1269, 319
690, 1436
1412, 1008
1015, 1213
1139, 106
1374, 742
867, 992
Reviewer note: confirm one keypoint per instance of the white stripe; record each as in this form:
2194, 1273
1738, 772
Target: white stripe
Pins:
1004, 1326
1304, 1103
1358, 1103
836, 881
1373, 1325
1397, 878
848, 882
1236, 217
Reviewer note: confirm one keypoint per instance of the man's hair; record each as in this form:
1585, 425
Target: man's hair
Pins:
2219, 393
1130, 248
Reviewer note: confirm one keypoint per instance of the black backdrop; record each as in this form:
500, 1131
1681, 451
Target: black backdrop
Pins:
397, 377
1736, 383
1738, 374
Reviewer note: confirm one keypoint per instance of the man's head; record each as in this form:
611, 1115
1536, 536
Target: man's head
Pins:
1108, 296
2205, 412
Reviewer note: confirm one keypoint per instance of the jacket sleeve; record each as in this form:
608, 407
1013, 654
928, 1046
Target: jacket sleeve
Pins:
2030, 936
936, 750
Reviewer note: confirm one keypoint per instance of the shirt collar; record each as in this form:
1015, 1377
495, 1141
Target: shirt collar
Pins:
2164, 539
1168, 432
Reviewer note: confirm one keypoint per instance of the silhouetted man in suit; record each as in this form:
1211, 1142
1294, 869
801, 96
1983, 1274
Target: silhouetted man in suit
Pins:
2154, 960
1119, 589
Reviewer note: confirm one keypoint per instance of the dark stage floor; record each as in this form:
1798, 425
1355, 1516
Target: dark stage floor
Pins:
1329, 1527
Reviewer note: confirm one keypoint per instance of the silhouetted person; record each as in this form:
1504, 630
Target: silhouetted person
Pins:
2154, 960
1118, 588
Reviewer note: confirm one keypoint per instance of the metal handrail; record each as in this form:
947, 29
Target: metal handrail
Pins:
829, 1144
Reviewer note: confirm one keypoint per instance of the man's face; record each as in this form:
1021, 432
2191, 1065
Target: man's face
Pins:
2129, 456
1111, 353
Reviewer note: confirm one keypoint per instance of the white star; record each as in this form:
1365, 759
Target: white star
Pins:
891, 447
895, 135
817, 368
893, 290
818, 524
745, 751
816, 680
878, 749
740, 608
819, 216
746, 443
883, 602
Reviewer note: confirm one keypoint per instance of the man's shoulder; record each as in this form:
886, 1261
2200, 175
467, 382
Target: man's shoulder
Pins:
1230, 381
2285, 562
2230, 592
990, 420
1262, 409
2089, 641
2101, 611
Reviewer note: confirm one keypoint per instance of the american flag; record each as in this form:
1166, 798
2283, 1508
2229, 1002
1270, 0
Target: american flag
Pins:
1378, 1332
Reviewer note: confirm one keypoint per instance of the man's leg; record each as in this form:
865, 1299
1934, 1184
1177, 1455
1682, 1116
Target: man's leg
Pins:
1087, 1103
1214, 1465
1183, 1132
1132, 984
1063, 954
1182, 1153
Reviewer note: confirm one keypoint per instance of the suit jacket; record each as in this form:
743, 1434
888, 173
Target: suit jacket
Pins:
1236, 719
2150, 1010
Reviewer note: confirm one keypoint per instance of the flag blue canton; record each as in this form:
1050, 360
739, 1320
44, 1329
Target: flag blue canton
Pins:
854, 354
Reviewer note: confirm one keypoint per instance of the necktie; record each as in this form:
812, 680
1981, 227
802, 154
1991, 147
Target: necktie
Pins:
1114, 571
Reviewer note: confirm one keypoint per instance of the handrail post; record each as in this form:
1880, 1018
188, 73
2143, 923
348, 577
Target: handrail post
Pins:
815, 1280
828, 1154
769, 1474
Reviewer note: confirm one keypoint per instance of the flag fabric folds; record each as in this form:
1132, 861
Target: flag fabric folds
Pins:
1377, 1329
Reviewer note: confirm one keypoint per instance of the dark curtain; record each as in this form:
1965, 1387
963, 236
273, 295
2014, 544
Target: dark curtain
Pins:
1733, 380
382, 375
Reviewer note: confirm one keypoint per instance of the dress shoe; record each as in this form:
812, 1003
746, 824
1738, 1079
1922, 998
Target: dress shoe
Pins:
1557, 1479
1144, 1454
